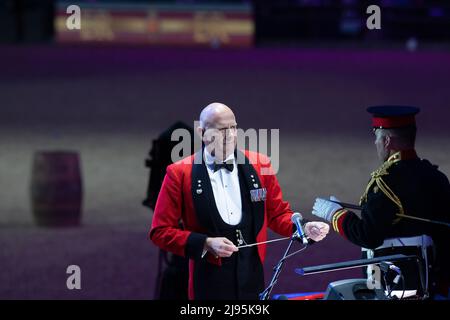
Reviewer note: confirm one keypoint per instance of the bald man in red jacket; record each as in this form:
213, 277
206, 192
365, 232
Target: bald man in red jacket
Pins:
222, 202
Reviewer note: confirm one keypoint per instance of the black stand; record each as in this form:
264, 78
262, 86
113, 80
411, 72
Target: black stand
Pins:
265, 295
365, 262
352, 264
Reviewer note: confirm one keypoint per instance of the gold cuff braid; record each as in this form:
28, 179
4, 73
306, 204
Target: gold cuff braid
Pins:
336, 217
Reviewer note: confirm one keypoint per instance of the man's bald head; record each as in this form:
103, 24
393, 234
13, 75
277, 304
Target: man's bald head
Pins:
218, 129
216, 114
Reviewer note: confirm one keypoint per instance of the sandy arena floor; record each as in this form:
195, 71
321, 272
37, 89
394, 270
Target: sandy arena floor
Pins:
109, 104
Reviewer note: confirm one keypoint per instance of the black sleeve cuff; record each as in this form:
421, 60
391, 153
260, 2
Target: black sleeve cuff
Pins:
194, 245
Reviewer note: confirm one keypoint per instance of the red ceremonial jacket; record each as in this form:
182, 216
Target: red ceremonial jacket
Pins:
186, 195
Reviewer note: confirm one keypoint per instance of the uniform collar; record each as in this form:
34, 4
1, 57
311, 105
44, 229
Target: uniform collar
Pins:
403, 155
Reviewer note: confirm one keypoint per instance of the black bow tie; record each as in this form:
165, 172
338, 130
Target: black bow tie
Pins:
227, 165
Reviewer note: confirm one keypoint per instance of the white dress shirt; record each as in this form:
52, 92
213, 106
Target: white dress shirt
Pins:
226, 189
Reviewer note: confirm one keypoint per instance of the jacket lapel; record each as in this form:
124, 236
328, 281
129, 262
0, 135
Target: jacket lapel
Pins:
202, 195
252, 182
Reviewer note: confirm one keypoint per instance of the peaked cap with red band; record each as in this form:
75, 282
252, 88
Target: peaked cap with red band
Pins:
389, 117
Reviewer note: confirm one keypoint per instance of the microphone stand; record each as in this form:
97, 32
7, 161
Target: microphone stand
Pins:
265, 295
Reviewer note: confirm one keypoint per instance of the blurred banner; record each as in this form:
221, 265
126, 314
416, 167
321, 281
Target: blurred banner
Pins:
171, 25
340, 20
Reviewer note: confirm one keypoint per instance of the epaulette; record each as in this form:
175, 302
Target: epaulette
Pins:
377, 178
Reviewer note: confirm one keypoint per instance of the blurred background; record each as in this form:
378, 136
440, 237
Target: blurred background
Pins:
80, 111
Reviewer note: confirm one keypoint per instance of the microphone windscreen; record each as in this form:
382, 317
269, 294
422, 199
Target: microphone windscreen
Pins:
295, 216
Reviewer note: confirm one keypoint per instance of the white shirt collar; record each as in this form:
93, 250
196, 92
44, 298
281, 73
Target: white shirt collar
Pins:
210, 159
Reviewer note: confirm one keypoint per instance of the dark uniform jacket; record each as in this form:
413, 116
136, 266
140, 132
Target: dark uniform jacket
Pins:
403, 185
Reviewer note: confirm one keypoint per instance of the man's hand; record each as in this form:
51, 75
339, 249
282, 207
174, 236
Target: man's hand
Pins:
325, 209
316, 230
220, 247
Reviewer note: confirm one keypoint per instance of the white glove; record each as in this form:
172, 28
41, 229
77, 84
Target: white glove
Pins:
316, 230
325, 209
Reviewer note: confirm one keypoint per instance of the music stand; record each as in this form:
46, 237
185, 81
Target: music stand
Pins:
361, 263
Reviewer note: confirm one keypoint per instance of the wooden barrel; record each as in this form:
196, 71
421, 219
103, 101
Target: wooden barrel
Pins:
56, 188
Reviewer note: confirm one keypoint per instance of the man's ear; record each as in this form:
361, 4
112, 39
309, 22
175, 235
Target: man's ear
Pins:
388, 142
199, 131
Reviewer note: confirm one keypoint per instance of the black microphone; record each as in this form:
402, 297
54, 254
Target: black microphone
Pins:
385, 266
297, 218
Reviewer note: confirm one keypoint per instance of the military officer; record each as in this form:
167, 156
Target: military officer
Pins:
402, 188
